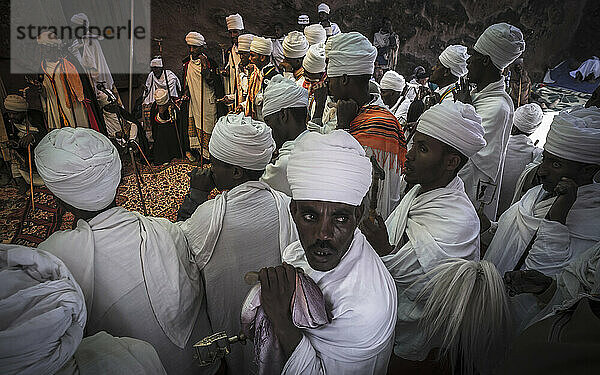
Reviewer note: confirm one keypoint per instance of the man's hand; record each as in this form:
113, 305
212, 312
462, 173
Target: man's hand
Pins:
566, 191
202, 179
26, 141
526, 281
377, 235
346, 112
463, 92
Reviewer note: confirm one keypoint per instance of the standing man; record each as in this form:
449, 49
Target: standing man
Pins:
393, 91
277, 54
331, 28
264, 70
231, 73
295, 47
498, 46
450, 67
315, 80
387, 43
157, 79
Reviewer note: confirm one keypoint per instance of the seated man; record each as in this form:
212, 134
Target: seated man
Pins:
244, 228
358, 290
435, 220
557, 220
135, 272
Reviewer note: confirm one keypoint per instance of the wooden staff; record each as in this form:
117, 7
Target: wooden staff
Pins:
30, 169
201, 138
519, 98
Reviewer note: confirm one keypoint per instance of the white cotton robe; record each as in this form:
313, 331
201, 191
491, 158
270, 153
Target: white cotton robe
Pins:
361, 297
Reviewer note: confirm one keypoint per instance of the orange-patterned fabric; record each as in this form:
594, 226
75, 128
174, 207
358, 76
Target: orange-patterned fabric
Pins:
70, 77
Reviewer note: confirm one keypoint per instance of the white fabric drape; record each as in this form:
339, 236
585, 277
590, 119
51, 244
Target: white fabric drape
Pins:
153, 83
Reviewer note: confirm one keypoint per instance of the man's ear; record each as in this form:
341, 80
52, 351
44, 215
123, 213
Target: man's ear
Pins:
589, 171
284, 115
451, 162
486, 60
345, 80
237, 173
359, 211
293, 209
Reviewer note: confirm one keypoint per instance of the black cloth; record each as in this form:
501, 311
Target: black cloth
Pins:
166, 146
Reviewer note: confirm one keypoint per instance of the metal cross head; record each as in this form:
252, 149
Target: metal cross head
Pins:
378, 172
216, 346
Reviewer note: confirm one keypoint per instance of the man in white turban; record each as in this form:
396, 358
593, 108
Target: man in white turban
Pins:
295, 47
44, 316
263, 71
588, 70
498, 46
387, 43
557, 220
358, 291
113, 122
135, 272
232, 71
244, 42
202, 85
364, 115
303, 21
331, 28
451, 65
159, 78
435, 220
245, 228
520, 151
393, 91
315, 76
315, 34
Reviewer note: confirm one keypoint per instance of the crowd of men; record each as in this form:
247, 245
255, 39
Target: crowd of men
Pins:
343, 225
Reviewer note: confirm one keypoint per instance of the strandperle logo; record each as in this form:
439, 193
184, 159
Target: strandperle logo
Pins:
80, 32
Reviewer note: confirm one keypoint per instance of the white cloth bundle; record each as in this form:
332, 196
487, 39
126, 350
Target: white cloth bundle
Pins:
80, 166
195, 39
283, 93
455, 124
344, 175
234, 22
455, 57
161, 96
323, 8
242, 141
80, 19
314, 61
262, 46
575, 135
15, 103
303, 19
528, 117
315, 34
156, 63
502, 42
244, 42
351, 54
295, 45
392, 81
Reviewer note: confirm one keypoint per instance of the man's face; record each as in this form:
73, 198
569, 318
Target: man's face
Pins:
17, 117
157, 71
244, 58
233, 34
195, 51
295, 63
553, 168
390, 97
312, 77
438, 72
424, 161
326, 230
336, 88
475, 65
323, 16
257, 59
386, 26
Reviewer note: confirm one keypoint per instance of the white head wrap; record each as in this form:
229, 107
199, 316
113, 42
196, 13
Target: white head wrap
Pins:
242, 141
329, 167
234, 22
315, 34
323, 8
80, 19
262, 46
195, 39
283, 93
351, 54
303, 19
314, 61
455, 124
49, 39
392, 81
156, 63
80, 166
575, 135
42, 311
295, 45
161, 96
502, 42
455, 57
528, 117
15, 103
244, 42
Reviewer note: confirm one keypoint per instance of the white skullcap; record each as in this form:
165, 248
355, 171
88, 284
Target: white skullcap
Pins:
195, 39
303, 19
323, 8
161, 96
295, 45
80, 166
49, 39
351, 54
502, 42
283, 93
15, 103
262, 46
42, 311
315, 34
314, 61
392, 81
244, 42
329, 167
455, 57
156, 63
528, 117
575, 135
455, 124
234, 22
242, 141
80, 19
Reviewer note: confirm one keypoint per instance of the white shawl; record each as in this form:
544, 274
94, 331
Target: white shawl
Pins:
153, 83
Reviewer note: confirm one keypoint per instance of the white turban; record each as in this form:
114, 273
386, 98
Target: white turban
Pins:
161, 96
49, 39
455, 124
455, 57
80, 166
195, 39
156, 63
283, 93
528, 117
42, 311
323, 8
351, 54
329, 167
242, 141
303, 19
80, 19
502, 42
15, 103
244, 42
234, 22
315, 34
575, 135
392, 81
314, 61
295, 45
262, 46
